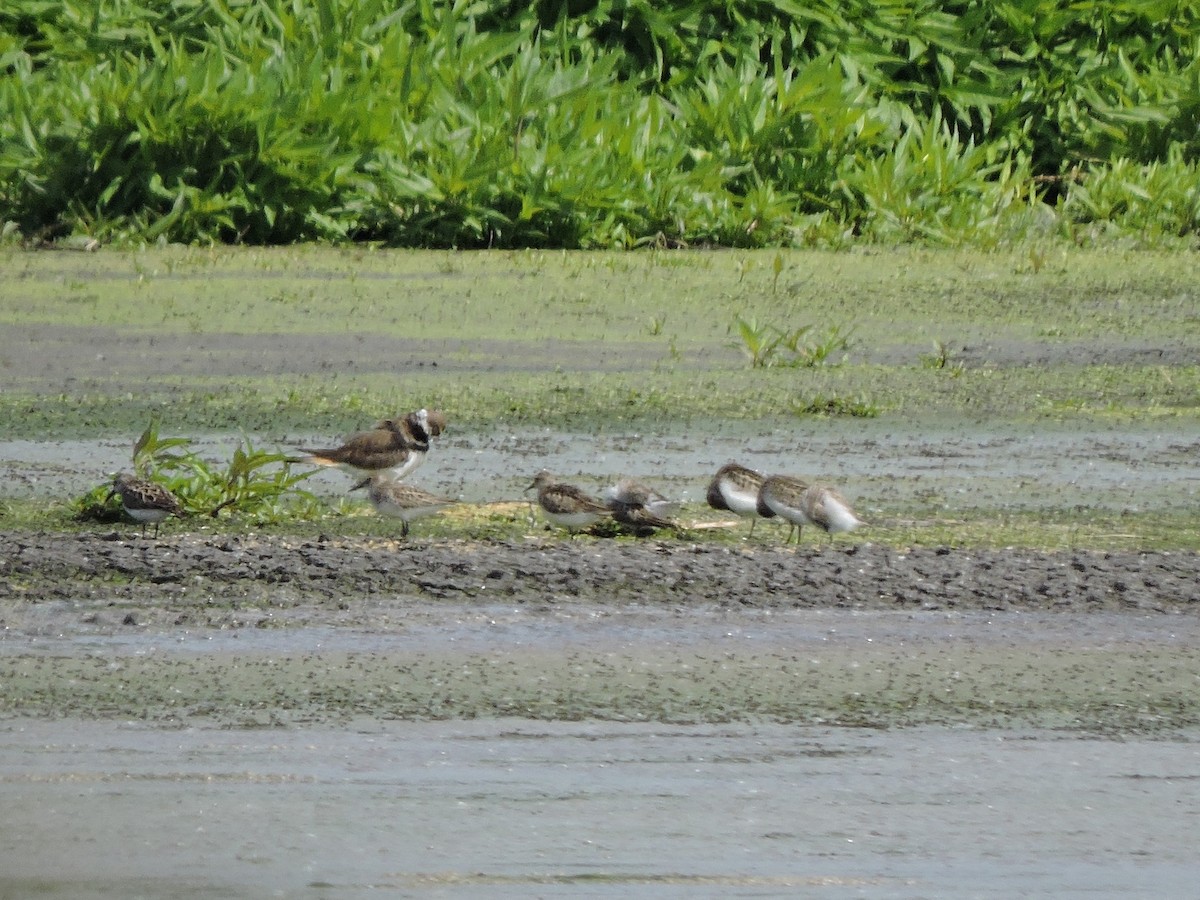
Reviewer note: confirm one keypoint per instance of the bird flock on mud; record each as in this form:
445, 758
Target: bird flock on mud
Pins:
383, 456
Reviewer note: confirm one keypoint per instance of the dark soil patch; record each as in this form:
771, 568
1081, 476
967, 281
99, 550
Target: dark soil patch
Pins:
330, 571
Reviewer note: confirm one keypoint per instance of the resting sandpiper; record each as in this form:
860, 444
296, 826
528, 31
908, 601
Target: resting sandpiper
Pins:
640, 506
565, 505
735, 488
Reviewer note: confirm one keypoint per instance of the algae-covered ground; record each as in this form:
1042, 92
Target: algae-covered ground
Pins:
1066, 381
1020, 431
269, 341
991, 689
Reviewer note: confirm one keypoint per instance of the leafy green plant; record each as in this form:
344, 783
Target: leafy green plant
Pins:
835, 406
258, 485
942, 359
768, 345
759, 341
611, 123
817, 350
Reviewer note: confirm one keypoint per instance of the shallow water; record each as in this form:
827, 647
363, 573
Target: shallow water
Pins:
519, 808
504, 807
511, 808
928, 469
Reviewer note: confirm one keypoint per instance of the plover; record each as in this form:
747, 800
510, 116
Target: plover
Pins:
783, 496
640, 506
398, 500
735, 488
145, 501
565, 505
393, 446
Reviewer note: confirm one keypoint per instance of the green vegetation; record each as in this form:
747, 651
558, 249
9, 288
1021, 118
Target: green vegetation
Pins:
257, 486
770, 345
601, 124
942, 358
95, 345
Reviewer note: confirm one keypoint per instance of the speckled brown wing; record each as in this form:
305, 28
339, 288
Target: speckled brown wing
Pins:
145, 501
567, 505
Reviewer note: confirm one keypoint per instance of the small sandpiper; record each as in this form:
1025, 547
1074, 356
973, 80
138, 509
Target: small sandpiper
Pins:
639, 506
783, 496
398, 500
145, 501
803, 504
829, 510
735, 488
566, 505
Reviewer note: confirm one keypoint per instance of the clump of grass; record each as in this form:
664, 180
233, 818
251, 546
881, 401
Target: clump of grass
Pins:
835, 406
258, 485
768, 345
942, 358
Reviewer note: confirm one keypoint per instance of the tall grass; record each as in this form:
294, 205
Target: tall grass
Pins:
600, 123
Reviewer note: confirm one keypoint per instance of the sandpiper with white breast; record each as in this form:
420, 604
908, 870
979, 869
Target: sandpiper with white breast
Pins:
398, 500
566, 505
829, 510
783, 496
800, 504
735, 488
145, 501
394, 446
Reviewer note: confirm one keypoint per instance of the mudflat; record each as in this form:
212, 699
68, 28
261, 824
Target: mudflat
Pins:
242, 629
929, 707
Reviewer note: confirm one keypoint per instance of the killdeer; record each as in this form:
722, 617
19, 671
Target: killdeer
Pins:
393, 446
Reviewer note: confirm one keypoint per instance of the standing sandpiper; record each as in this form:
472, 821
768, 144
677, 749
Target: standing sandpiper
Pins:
783, 496
144, 501
401, 501
829, 510
735, 488
803, 504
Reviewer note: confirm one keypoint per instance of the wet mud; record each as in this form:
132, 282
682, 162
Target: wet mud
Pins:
251, 631
326, 571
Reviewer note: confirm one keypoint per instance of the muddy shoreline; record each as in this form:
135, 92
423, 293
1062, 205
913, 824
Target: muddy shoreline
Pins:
203, 575
252, 631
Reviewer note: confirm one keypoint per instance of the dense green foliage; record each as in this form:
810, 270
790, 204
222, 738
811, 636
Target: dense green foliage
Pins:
258, 486
589, 123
